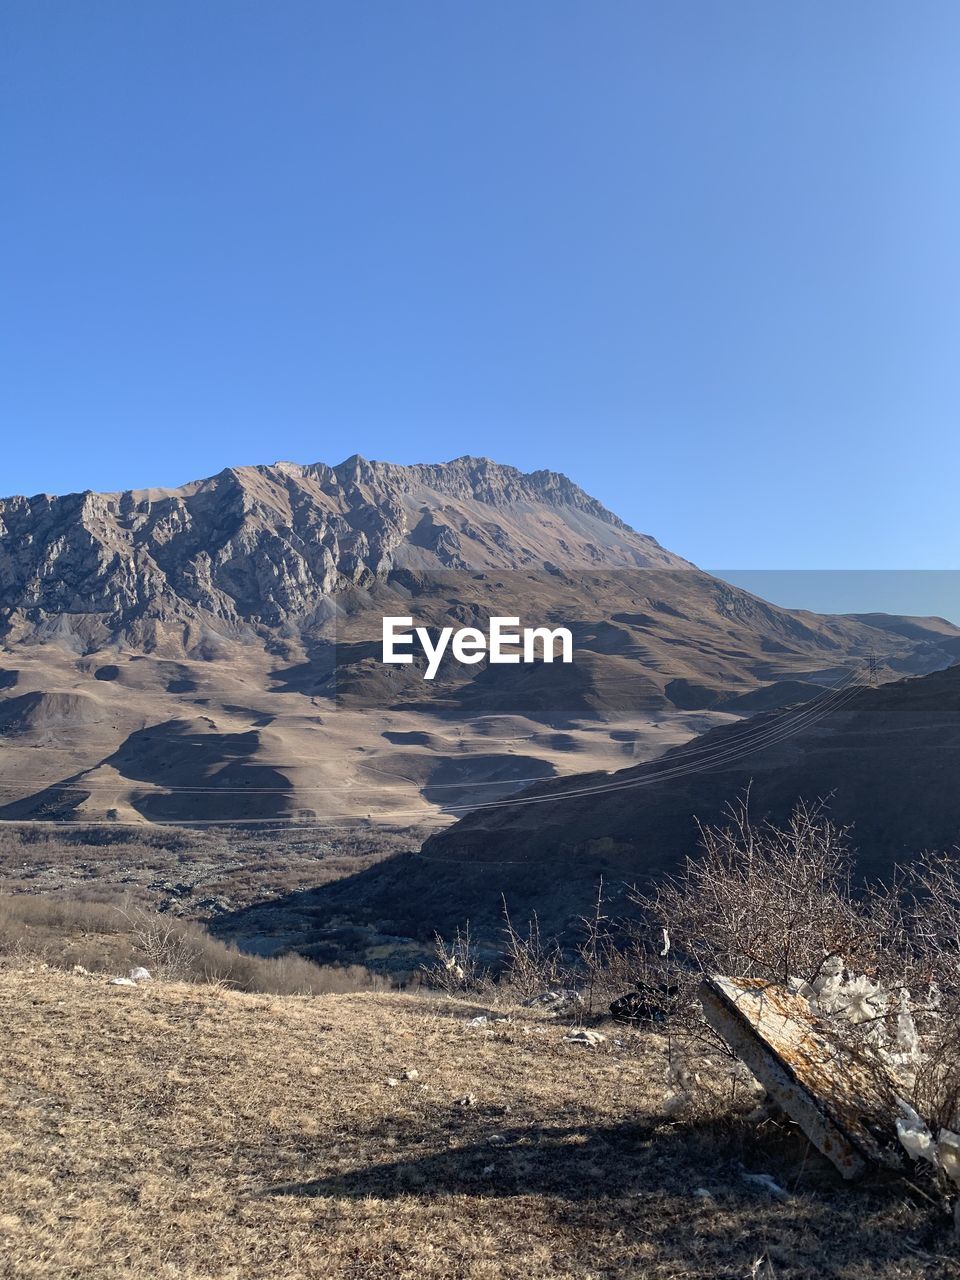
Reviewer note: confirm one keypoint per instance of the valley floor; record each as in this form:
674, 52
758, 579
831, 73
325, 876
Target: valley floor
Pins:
170, 1130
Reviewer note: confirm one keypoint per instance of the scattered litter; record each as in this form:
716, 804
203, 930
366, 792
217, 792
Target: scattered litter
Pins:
122, 982
139, 974
943, 1152
392, 1082
762, 1269
411, 1074
650, 1002
916, 1139
557, 1000
764, 1180
480, 1020
591, 1038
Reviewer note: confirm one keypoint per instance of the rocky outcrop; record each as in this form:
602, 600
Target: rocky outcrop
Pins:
259, 547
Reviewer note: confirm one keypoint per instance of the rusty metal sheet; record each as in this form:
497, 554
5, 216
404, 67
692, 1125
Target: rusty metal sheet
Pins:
842, 1100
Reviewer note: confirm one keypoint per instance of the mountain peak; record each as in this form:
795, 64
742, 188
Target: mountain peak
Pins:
262, 545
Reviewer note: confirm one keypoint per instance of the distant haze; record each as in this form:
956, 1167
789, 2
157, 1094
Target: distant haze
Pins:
919, 593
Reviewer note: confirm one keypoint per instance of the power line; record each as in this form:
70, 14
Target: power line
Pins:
750, 732
794, 717
710, 757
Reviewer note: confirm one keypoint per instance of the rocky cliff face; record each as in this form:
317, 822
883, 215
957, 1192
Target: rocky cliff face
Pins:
259, 547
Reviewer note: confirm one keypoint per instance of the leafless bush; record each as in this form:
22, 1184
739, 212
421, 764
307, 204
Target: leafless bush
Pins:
763, 901
881, 964
164, 944
533, 964
456, 968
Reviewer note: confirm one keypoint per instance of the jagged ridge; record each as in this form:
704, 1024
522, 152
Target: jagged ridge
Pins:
259, 546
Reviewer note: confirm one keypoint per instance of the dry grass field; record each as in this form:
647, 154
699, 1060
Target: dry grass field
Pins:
195, 1132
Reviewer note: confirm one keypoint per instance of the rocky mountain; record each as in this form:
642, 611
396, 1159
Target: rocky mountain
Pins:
212, 653
256, 548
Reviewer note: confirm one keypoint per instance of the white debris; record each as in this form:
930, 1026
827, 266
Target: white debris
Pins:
827, 984
480, 1020
915, 1138
800, 987
591, 1038
556, 1000
948, 1149
411, 1074
858, 999
767, 1183
122, 982
391, 1082
862, 1000
139, 974
903, 1054
666, 943
943, 1152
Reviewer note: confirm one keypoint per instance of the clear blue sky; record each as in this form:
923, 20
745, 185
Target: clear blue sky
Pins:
701, 255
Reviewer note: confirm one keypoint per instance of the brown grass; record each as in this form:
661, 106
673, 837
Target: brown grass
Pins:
182, 1131
110, 938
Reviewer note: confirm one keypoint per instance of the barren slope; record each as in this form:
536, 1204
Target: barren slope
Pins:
170, 1130
212, 653
887, 760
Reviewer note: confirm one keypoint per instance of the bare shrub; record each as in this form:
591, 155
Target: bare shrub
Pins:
456, 968
763, 901
163, 943
533, 964
881, 964
758, 901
